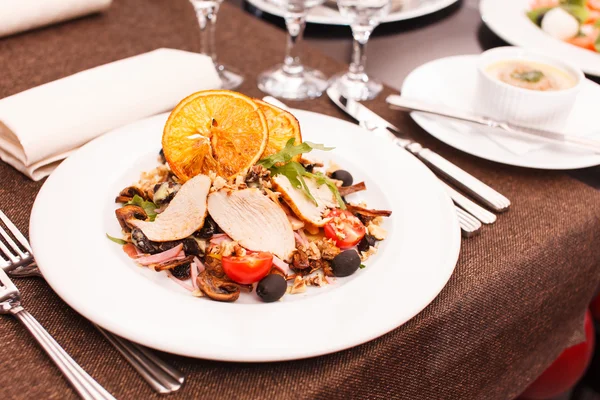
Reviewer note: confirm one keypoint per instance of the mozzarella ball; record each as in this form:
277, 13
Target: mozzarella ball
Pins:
560, 24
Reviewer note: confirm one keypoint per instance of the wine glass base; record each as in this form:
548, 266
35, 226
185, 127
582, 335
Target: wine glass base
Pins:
229, 79
356, 89
308, 84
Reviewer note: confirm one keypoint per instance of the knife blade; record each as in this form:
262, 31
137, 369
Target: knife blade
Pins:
460, 178
501, 127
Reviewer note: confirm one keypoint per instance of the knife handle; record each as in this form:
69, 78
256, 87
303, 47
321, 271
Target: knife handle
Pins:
461, 178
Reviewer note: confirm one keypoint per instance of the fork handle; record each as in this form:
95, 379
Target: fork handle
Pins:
461, 178
84, 384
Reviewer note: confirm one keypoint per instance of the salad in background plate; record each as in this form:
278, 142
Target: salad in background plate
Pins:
574, 21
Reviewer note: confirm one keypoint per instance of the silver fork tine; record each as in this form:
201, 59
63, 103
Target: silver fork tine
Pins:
16, 233
12, 258
3, 261
163, 377
12, 243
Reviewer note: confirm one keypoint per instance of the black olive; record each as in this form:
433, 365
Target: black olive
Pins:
346, 263
191, 248
182, 271
165, 192
142, 242
271, 288
309, 167
343, 176
208, 229
164, 246
366, 242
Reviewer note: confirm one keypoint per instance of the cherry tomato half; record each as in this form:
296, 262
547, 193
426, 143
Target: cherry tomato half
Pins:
345, 228
249, 268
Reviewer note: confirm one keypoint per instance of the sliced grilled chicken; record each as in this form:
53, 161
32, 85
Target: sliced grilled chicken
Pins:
301, 204
254, 221
184, 215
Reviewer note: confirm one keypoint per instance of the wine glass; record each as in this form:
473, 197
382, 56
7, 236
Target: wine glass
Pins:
291, 80
364, 16
206, 12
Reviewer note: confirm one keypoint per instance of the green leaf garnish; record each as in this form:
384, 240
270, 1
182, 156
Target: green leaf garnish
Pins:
535, 15
580, 13
148, 206
295, 173
281, 163
324, 180
116, 240
580, 3
532, 76
597, 43
362, 266
290, 151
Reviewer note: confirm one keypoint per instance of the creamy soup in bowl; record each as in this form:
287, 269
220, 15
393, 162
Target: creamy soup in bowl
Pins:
531, 75
526, 87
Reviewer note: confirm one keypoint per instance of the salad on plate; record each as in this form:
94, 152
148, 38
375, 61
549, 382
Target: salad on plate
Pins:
235, 205
574, 21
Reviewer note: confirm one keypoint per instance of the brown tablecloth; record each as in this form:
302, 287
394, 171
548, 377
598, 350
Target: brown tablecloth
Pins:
518, 293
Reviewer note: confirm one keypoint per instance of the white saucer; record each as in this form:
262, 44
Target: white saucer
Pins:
451, 81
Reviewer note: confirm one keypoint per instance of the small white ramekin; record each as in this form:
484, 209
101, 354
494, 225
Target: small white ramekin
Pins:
539, 109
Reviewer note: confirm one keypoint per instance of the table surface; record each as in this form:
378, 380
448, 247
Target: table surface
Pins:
514, 302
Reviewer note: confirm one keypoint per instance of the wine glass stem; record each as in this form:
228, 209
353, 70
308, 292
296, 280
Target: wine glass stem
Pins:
295, 23
359, 55
207, 18
212, 28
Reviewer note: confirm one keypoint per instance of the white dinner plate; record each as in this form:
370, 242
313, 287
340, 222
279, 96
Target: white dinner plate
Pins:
507, 19
329, 15
452, 82
75, 208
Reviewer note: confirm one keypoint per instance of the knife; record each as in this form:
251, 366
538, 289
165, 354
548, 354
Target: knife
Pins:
462, 179
469, 225
407, 104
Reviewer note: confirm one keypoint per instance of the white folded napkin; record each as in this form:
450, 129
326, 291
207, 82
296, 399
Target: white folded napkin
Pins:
22, 15
41, 126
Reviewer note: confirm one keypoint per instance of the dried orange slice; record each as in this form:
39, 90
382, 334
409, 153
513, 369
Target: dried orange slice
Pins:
282, 127
214, 130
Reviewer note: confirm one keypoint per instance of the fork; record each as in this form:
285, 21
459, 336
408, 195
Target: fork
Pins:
162, 377
85, 385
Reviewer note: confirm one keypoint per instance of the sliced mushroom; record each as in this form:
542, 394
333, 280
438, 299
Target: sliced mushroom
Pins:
366, 212
128, 193
300, 261
216, 288
128, 213
214, 267
174, 264
346, 190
